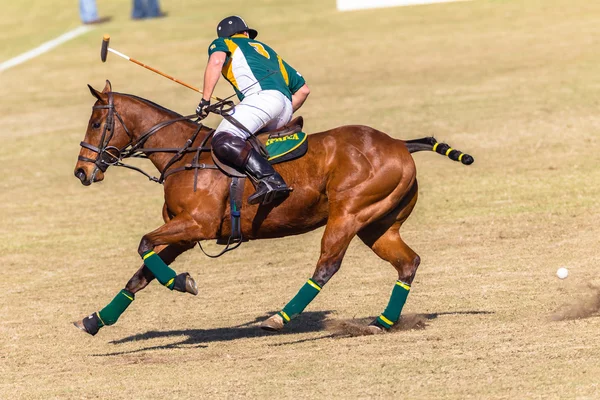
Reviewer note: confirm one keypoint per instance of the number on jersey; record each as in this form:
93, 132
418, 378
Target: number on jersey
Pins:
260, 49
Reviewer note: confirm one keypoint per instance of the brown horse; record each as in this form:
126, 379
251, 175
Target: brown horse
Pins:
355, 180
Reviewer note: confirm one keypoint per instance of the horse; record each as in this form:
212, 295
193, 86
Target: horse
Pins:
354, 180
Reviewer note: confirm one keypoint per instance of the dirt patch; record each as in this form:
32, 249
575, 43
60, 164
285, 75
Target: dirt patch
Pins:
360, 326
584, 307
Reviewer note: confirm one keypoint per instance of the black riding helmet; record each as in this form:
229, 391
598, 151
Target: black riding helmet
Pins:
232, 25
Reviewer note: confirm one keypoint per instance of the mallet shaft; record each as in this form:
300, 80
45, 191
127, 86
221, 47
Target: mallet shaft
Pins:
133, 60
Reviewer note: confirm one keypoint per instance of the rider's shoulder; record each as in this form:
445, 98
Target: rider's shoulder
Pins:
217, 45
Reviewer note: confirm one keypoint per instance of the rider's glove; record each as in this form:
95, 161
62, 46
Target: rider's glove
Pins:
200, 110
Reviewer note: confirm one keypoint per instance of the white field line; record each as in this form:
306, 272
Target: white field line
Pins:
45, 47
348, 5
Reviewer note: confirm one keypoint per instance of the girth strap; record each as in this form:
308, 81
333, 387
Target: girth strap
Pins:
236, 193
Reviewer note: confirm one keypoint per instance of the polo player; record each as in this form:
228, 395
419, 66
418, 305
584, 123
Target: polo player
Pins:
269, 90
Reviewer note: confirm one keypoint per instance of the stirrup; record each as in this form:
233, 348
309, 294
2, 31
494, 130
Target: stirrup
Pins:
267, 193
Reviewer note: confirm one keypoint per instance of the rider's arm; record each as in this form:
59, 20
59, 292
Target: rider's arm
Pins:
299, 97
297, 86
213, 73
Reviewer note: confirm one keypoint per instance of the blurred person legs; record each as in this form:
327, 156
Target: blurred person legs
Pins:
89, 13
146, 9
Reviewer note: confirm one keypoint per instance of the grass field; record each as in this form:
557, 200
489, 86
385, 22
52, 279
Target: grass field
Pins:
514, 83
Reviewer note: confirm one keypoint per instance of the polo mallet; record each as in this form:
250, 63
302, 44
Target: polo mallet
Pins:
104, 53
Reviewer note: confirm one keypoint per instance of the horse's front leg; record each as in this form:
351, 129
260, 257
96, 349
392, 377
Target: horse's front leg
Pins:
179, 235
182, 230
144, 276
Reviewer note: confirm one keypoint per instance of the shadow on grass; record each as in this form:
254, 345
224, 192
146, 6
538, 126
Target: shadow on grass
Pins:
435, 315
312, 321
308, 322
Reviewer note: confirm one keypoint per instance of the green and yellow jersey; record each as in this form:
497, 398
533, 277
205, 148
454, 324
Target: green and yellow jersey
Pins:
252, 66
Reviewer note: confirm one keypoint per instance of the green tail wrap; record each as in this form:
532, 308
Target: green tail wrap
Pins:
305, 295
391, 314
162, 272
111, 313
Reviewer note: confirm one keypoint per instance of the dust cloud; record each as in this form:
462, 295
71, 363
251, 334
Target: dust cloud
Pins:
584, 307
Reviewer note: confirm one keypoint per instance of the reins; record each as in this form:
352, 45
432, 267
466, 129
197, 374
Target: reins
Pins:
106, 158
135, 150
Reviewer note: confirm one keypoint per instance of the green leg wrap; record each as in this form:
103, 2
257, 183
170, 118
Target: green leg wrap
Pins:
307, 293
111, 313
391, 315
162, 272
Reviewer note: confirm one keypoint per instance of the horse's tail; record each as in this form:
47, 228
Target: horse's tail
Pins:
430, 144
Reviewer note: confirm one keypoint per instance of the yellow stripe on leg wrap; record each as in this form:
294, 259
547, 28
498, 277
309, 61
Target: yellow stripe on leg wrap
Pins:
448, 151
130, 298
311, 283
435, 146
461, 156
387, 321
149, 254
285, 316
98, 314
169, 283
403, 285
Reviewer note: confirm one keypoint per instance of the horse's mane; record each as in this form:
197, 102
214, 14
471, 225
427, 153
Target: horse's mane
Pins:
151, 103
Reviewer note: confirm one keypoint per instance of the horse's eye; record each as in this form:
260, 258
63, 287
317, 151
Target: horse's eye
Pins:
96, 125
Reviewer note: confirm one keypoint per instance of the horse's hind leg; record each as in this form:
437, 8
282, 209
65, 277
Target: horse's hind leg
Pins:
143, 276
338, 234
383, 237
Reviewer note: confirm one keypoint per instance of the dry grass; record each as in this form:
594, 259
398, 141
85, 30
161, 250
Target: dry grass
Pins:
514, 83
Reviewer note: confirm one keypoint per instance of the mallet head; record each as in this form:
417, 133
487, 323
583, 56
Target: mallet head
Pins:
104, 51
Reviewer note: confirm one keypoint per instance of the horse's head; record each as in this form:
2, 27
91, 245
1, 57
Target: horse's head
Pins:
104, 139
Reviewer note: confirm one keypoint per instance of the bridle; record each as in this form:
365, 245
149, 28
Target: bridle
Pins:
104, 158
107, 155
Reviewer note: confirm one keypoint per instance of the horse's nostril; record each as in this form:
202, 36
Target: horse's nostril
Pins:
80, 174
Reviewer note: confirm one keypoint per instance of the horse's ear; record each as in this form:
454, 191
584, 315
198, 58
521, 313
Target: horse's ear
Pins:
107, 87
100, 96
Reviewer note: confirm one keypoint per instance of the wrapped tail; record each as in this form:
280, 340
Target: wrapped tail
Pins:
430, 144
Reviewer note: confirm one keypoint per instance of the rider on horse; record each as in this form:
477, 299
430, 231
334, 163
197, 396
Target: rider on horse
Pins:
270, 91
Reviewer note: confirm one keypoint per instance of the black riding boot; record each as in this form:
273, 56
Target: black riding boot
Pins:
269, 184
238, 153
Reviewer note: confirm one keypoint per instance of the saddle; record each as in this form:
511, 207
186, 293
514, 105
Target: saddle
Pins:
294, 126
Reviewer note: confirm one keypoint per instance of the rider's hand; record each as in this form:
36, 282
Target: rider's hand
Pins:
200, 110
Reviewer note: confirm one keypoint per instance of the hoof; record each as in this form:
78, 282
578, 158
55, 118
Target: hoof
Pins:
79, 325
375, 330
273, 324
186, 284
89, 324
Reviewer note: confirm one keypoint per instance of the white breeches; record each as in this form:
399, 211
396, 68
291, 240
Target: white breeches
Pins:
265, 110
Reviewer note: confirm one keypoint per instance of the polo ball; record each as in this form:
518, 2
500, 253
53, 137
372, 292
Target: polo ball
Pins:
562, 273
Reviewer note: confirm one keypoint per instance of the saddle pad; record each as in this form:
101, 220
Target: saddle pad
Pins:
287, 148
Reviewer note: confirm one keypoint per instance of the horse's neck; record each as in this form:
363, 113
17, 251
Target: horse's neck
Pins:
172, 136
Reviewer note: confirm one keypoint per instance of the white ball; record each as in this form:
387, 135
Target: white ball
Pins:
562, 272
